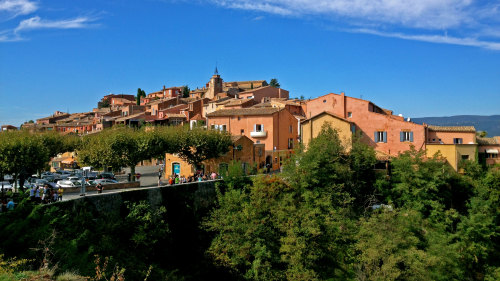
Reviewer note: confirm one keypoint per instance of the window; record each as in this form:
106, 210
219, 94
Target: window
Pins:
212, 127
380, 136
290, 129
324, 101
491, 155
353, 129
458, 141
242, 132
349, 114
258, 128
239, 118
406, 136
258, 142
290, 143
465, 157
222, 128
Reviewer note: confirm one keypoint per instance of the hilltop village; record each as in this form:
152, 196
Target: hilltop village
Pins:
266, 125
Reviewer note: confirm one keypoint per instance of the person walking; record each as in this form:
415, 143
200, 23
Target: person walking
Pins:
55, 196
32, 194
45, 194
99, 188
10, 205
60, 193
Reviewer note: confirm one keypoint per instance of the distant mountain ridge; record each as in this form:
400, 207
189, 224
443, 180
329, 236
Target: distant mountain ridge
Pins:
490, 124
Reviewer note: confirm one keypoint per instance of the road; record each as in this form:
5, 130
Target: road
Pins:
149, 178
149, 175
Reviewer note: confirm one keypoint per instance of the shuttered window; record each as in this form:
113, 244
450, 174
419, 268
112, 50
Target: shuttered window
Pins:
380, 136
406, 136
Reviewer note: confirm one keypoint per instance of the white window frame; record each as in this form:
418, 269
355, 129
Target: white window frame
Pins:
256, 128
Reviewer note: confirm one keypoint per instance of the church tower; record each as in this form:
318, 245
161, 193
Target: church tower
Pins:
215, 85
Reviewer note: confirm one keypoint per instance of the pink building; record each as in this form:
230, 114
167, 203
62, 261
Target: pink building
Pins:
276, 128
387, 133
264, 94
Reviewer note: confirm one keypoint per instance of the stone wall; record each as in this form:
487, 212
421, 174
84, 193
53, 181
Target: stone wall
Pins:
197, 198
121, 185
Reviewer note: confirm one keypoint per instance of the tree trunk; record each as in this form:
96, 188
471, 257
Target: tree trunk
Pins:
22, 177
132, 173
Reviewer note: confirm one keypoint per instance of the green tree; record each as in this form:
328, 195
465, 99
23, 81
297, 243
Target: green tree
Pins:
149, 225
120, 147
402, 245
104, 104
294, 227
140, 93
421, 183
22, 152
274, 83
478, 232
185, 91
198, 145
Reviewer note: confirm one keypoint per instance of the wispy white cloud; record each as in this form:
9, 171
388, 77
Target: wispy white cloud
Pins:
443, 39
467, 19
14, 8
37, 23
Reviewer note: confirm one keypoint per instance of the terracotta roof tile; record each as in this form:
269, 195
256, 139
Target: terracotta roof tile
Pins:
487, 141
244, 112
452, 128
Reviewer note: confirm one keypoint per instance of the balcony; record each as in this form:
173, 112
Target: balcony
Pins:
261, 134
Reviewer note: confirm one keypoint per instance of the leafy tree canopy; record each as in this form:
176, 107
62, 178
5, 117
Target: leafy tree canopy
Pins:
274, 83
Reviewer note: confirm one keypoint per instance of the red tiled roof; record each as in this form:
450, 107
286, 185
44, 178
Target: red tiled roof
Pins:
244, 112
470, 129
326, 112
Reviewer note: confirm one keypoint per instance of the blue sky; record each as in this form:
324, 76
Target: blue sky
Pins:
418, 58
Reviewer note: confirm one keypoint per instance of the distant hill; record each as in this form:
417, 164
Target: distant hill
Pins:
490, 124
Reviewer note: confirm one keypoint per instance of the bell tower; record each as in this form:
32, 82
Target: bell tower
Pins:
215, 85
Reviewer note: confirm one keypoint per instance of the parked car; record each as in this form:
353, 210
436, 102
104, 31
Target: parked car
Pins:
105, 181
48, 176
6, 186
38, 182
63, 174
75, 179
67, 184
106, 175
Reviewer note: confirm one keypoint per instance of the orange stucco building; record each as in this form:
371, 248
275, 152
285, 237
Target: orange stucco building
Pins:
263, 94
488, 150
275, 128
243, 150
388, 134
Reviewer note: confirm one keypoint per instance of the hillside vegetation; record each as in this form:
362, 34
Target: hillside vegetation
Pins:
328, 216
